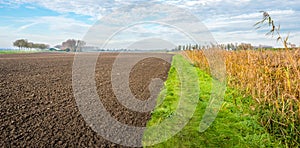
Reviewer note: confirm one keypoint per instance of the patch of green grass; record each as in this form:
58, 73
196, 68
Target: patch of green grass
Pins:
15, 51
235, 125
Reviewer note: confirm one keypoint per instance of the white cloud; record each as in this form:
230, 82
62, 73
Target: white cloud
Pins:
55, 29
227, 19
257, 14
30, 7
25, 27
58, 24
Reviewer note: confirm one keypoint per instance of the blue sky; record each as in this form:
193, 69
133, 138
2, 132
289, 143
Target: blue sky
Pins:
53, 21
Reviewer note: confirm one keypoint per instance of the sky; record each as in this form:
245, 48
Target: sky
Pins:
228, 21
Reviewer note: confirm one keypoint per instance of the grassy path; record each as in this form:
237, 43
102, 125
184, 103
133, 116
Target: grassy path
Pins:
235, 125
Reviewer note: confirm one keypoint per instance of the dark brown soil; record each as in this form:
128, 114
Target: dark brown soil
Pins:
38, 108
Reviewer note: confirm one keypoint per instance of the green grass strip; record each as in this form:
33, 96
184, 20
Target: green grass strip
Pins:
235, 125
15, 51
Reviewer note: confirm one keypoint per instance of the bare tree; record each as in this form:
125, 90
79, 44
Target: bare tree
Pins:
21, 43
30, 45
70, 43
79, 45
73, 45
244, 46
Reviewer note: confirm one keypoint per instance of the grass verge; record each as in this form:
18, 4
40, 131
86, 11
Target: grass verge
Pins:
235, 125
15, 51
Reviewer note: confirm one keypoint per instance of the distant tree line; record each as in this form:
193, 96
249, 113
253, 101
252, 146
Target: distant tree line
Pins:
23, 43
230, 46
72, 45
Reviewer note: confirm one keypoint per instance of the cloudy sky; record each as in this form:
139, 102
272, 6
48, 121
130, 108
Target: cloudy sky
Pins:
53, 21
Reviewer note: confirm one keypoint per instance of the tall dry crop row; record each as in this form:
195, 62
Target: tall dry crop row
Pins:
272, 78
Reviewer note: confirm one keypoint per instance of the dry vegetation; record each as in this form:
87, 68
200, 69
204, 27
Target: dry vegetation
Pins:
272, 79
